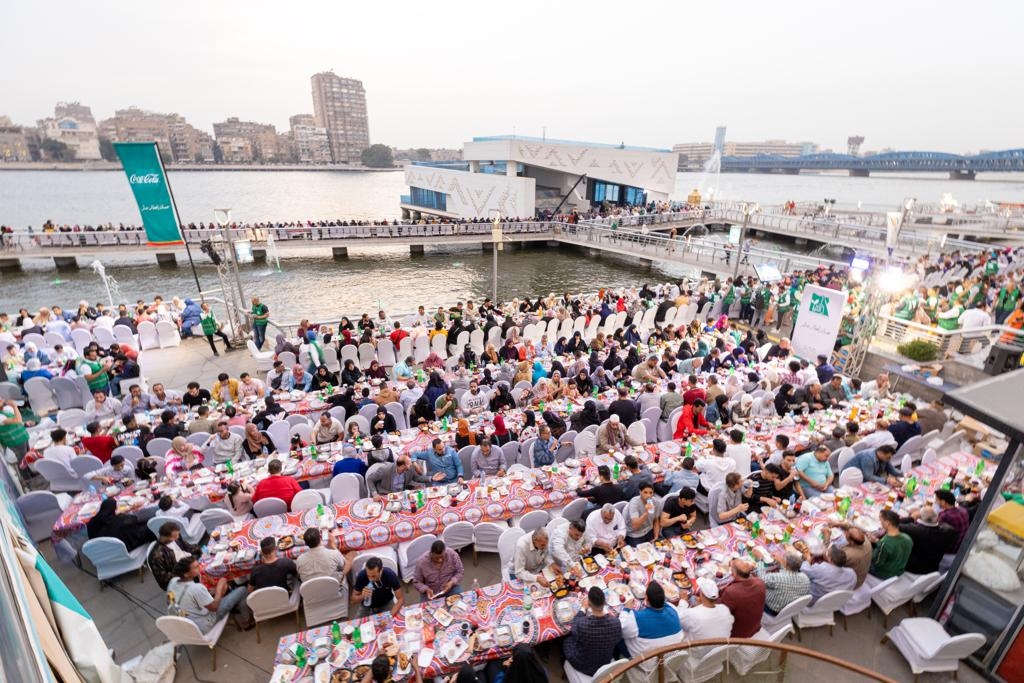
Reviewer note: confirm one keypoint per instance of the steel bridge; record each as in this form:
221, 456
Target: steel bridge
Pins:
957, 166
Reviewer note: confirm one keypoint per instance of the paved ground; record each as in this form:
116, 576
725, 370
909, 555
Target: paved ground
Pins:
193, 361
126, 611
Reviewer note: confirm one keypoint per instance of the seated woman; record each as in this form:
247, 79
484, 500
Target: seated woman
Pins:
376, 371
501, 433
256, 444
464, 436
127, 528
353, 434
182, 457
350, 374
383, 422
238, 500
324, 379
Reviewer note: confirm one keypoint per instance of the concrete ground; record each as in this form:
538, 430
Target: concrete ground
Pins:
193, 361
125, 613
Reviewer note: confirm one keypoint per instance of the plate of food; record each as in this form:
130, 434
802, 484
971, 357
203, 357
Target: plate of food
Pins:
590, 565
342, 676
414, 620
564, 611
443, 617
360, 672
690, 541
503, 636
285, 542
403, 664
453, 649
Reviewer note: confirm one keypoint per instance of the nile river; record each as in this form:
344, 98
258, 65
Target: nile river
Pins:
320, 287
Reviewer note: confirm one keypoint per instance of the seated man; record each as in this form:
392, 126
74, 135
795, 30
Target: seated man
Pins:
568, 545
443, 464
187, 597
439, 572
102, 408
744, 597
327, 429
226, 445
272, 570
531, 557
169, 549
117, 471
876, 466
891, 552
643, 515
830, 574
377, 589
679, 513
606, 492
707, 619
816, 475
612, 436
606, 530
320, 560
392, 477
593, 636
732, 499
785, 585
656, 625
488, 461
276, 485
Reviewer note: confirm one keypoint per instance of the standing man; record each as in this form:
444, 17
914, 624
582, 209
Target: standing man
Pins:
260, 316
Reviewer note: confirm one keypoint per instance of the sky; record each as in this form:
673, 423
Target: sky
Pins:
904, 74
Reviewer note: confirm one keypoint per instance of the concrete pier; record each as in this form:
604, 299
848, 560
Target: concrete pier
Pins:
166, 260
339, 252
259, 254
65, 262
9, 265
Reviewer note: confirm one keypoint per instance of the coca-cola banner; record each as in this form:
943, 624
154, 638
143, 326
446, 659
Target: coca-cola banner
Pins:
148, 180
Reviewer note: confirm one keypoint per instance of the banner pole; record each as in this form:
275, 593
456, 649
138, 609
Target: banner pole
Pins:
181, 228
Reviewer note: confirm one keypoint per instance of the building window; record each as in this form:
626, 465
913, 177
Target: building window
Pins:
429, 199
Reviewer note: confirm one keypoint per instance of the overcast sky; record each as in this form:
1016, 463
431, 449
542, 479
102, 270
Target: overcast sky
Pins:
904, 74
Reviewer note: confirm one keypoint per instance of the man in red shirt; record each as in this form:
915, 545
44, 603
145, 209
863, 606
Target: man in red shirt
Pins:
398, 335
745, 599
276, 485
693, 393
100, 445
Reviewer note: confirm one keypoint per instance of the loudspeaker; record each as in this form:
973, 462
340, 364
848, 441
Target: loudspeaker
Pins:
1002, 358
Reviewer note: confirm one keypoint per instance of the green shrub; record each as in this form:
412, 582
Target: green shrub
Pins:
919, 350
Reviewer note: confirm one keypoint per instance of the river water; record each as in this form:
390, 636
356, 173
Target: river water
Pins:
319, 287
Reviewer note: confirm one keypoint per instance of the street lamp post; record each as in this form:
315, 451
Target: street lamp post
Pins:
748, 210
235, 311
497, 246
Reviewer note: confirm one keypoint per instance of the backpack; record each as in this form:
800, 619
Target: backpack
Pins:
174, 607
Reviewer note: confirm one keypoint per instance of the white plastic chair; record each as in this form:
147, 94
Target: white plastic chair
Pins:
928, 648
851, 477
929, 456
58, 476
269, 506
123, 335
41, 510
585, 444
703, 669
506, 548
84, 464
183, 631
785, 615
906, 464
861, 598
192, 530
104, 337
215, 517
40, 396
322, 601
279, 434
901, 592
271, 602
575, 509
82, 338
346, 486
843, 457
458, 535
307, 500
822, 612
409, 553
68, 393
71, 418
111, 558
366, 355
486, 536
288, 358
746, 657
386, 353
167, 334
364, 424
534, 519
305, 432
158, 446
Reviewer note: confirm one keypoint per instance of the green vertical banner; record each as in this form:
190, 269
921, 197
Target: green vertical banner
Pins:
148, 180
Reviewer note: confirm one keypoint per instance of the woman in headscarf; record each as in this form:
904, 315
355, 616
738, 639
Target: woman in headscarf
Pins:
126, 528
509, 353
556, 387
529, 430
468, 357
350, 374
435, 389
718, 410
312, 347
741, 411
586, 417
433, 362
190, 316
556, 423
576, 342
281, 344
632, 359
182, 457
539, 372
264, 418
324, 379
702, 348
560, 347
502, 435
753, 382
423, 408
345, 324
619, 337
464, 436
256, 444
583, 384
783, 398
632, 335
376, 370
502, 398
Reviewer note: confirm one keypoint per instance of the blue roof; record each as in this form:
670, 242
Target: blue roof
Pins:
634, 148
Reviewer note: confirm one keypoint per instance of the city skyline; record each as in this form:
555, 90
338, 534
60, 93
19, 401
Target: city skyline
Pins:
435, 79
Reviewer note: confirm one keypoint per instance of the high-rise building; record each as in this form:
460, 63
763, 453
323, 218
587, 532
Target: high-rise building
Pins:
178, 140
312, 146
339, 105
693, 154
14, 144
73, 125
262, 138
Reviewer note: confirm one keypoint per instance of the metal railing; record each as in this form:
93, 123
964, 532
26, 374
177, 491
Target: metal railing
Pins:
950, 343
685, 669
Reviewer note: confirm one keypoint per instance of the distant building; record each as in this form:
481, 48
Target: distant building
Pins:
178, 140
14, 143
235, 149
339, 105
695, 154
436, 154
312, 146
73, 125
517, 176
262, 138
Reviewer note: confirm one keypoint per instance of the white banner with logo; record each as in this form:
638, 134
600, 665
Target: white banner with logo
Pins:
818, 321
893, 223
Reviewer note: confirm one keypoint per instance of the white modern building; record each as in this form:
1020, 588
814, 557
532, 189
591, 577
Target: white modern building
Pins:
517, 176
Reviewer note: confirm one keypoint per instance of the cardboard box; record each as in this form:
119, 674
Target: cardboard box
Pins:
989, 449
974, 431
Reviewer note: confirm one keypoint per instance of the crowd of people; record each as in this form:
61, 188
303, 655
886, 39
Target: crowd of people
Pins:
726, 366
